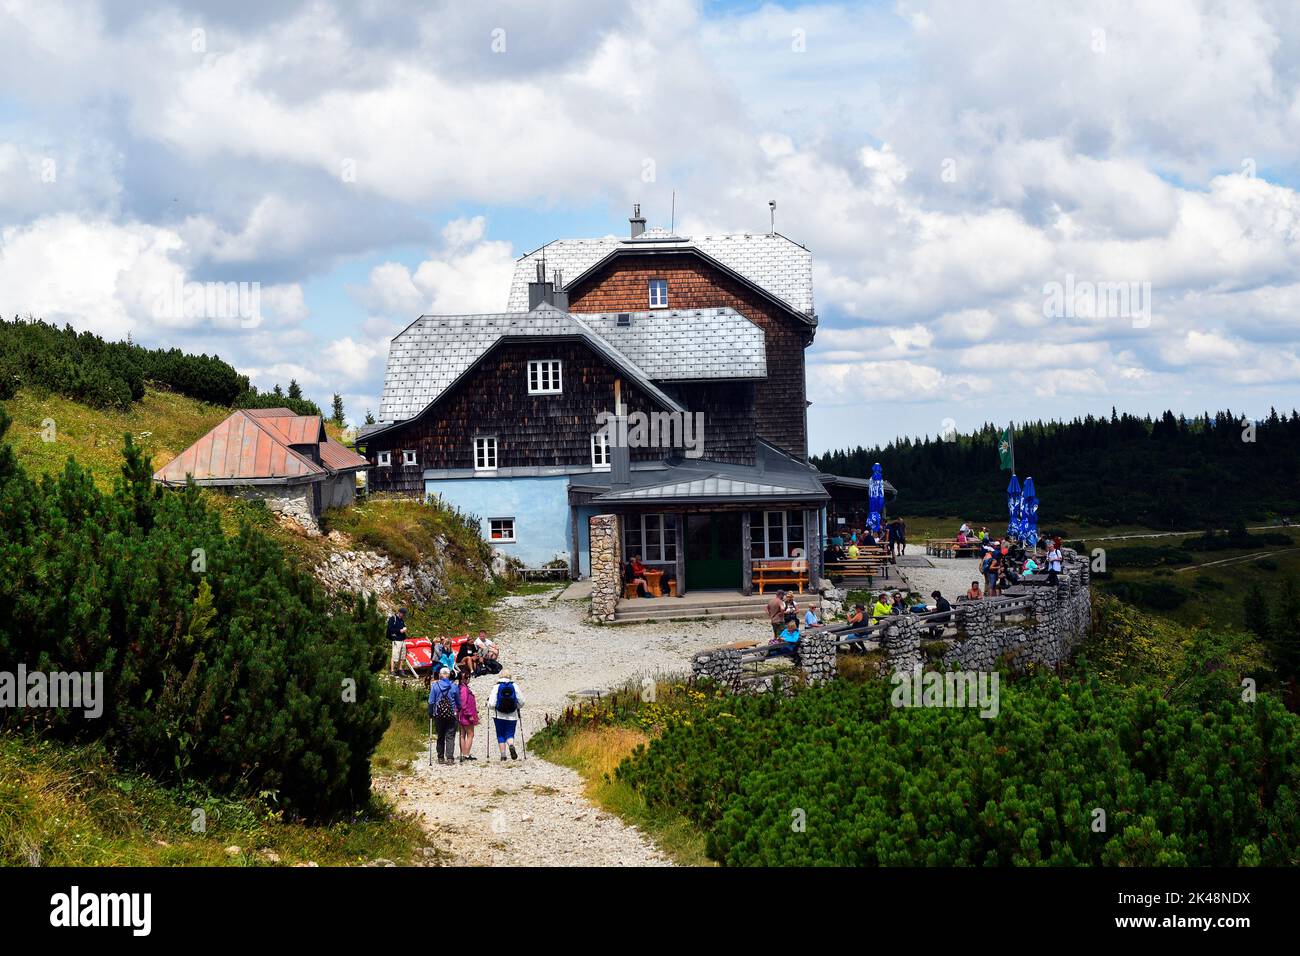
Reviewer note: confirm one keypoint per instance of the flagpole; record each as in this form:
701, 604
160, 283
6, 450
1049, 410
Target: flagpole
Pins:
1011, 433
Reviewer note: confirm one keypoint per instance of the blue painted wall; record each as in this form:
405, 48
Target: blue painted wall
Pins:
540, 507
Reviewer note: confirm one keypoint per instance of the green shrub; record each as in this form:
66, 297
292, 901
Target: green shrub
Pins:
1201, 780
1146, 556
84, 367
245, 675
1152, 595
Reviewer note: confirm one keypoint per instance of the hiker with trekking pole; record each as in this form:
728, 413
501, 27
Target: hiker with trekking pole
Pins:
506, 705
444, 703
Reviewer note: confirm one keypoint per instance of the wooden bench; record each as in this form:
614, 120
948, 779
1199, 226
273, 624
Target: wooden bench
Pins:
780, 572
860, 568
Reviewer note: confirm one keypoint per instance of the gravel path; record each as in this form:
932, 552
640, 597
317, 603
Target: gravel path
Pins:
531, 812
950, 576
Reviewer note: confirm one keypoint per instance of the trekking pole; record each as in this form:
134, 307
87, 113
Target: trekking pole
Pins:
430, 741
523, 745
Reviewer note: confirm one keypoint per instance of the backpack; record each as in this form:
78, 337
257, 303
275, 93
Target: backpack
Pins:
506, 700
442, 708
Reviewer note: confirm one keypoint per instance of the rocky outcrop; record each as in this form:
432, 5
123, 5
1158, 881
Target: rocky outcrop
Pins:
393, 584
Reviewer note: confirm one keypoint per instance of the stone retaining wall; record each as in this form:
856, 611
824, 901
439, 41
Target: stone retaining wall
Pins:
1048, 635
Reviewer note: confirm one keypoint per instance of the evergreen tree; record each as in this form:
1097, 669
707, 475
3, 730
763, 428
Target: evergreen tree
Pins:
370, 418
337, 417
295, 390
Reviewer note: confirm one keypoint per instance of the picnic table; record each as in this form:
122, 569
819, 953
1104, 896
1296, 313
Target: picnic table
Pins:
872, 567
654, 581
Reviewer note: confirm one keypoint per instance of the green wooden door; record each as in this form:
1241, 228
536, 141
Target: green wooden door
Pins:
713, 555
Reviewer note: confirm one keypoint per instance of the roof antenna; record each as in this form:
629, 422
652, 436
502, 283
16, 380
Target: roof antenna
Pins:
771, 207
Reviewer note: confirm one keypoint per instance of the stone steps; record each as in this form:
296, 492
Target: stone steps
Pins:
731, 609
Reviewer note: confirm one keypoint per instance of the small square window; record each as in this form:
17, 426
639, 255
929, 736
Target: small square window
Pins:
600, 451
658, 293
408, 457
385, 459
544, 377
501, 529
485, 454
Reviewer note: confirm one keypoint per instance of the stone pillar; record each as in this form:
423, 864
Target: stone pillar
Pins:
817, 656
746, 553
901, 642
606, 567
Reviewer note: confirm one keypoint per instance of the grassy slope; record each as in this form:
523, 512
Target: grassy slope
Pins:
69, 805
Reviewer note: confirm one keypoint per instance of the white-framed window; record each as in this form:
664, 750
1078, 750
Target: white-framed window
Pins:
658, 293
385, 459
501, 530
408, 456
600, 451
775, 534
654, 537
544, 377
485, 454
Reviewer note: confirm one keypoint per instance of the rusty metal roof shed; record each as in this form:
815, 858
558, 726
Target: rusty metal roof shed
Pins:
261, 447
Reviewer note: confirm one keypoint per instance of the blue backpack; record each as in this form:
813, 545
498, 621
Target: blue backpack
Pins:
507, 702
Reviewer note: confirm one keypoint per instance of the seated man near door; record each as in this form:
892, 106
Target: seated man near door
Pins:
634, 573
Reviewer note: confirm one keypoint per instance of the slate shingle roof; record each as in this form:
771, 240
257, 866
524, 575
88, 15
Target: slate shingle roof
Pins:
779, 265
664, 345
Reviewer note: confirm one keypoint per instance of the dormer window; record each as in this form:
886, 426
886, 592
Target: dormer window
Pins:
658, 293
544, 377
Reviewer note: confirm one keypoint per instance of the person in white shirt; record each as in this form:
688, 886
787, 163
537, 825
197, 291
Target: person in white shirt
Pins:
1053, 564
506, 702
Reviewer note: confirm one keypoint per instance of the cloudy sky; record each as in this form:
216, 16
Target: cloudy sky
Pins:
966, 175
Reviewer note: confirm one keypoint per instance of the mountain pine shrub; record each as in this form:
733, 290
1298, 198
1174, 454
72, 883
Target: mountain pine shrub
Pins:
245, 674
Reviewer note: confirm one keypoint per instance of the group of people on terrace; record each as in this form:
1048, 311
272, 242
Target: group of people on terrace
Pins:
851, 541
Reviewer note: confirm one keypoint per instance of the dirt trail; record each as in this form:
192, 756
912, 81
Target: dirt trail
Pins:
531, 812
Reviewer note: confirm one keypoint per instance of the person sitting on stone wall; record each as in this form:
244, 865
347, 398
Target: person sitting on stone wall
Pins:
973, 593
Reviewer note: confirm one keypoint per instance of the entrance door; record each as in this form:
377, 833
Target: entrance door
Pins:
713, 556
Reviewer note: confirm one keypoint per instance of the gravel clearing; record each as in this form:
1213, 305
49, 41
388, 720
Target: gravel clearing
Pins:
530, 812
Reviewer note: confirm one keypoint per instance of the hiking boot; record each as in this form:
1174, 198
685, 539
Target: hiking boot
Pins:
513, 754
503, 757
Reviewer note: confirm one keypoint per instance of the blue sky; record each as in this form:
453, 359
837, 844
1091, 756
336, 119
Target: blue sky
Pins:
948, 164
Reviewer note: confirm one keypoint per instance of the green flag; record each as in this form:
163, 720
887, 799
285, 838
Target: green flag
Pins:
1006, 450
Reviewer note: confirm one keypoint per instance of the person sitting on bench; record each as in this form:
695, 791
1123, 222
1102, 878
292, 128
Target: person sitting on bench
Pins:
787, 642
941, 606
633, 573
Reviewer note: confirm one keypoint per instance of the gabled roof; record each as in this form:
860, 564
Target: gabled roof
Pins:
776, 265
432, 353
255, 446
